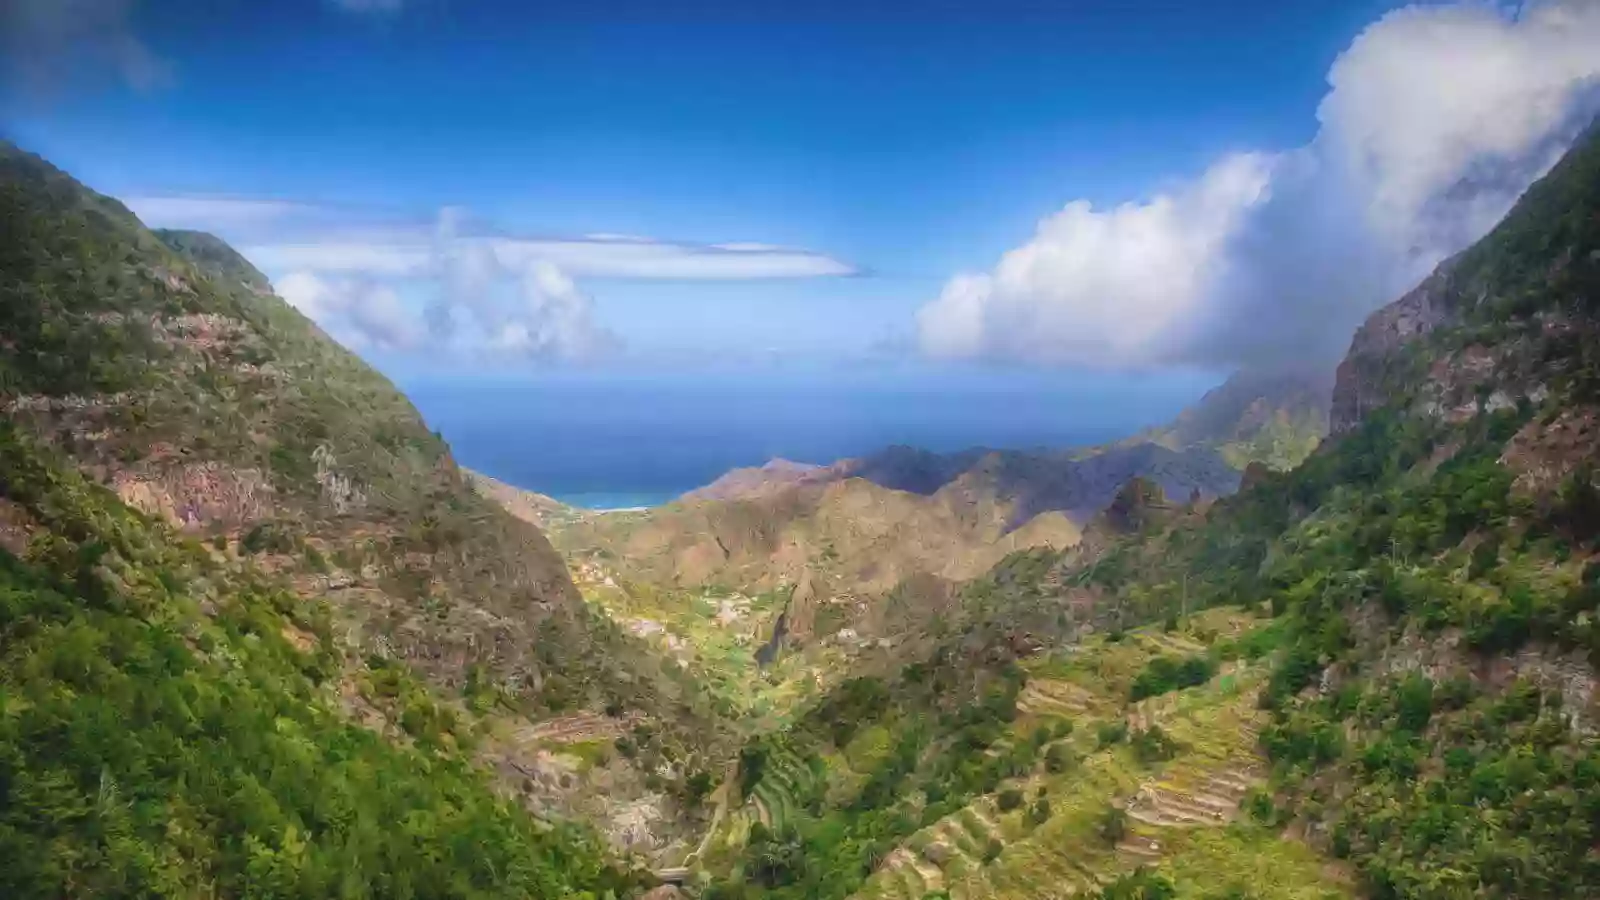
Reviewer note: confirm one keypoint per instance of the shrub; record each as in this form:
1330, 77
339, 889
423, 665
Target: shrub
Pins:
1167, 673
1110, 733
1154, 745
1113, 825
1039, 811
1009, 799
1058, 759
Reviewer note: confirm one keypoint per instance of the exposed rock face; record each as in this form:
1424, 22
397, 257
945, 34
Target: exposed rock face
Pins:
1545, 453
1138, 504
1505, 322
198, 495
1359, 385
1254, 474
802, 608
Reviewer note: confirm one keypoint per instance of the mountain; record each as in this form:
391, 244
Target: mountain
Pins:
864, 525
195, 456
755, 481
1373, 674
1275, 416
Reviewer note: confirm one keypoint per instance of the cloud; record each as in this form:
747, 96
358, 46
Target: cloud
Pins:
553, 321
472, 288
584, 257
526, 307
54, 45
1099, 287
220, 213
1436, 119
359, 313
289, 235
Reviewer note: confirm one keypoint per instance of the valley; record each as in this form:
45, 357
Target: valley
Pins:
1318, 686
260, 635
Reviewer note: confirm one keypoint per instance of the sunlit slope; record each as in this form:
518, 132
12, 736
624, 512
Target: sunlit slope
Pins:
1156, 783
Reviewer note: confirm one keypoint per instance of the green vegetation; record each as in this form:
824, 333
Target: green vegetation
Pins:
150, 748
829, 809
1434, 627
1166, 673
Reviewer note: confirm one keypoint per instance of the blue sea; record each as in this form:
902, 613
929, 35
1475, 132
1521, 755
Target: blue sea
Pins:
607, 441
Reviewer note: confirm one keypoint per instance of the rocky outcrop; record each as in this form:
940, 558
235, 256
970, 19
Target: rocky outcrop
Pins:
205, 495
1254, 474
1138, 504
1508, 320
1360, 383
802, 608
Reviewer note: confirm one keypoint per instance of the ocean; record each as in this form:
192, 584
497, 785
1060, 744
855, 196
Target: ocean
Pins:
615, 441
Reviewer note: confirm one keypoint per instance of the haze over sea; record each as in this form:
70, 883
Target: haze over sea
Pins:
608, 440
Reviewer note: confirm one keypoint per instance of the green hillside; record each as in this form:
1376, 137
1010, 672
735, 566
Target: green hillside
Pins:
1273, 415
169, 726
196, 464
1373, 675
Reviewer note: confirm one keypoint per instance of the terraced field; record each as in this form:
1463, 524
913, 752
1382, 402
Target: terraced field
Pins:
1109, 811
772, 802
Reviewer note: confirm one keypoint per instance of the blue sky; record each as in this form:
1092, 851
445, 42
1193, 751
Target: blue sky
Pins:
1170, 186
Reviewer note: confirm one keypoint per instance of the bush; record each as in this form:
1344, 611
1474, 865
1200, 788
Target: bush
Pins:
1110, 733
1039, 811
1113, 825
1154, 745
1009, 799
1168, 673
1058, 759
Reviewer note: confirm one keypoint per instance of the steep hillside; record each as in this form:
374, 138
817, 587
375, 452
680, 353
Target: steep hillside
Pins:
1275, 416
1376, 673
163, 368
177, 724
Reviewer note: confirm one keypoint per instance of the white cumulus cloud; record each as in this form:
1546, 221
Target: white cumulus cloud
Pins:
1099, 286
1436, 119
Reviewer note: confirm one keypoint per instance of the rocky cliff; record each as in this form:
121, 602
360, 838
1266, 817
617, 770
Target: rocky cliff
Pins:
1506, 322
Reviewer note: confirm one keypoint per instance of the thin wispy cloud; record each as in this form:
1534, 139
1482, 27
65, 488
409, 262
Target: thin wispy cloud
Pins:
287, 235
214, 212
1436, 119
584, 257
377, 281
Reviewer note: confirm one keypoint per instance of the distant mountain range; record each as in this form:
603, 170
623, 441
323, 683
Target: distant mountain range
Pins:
867, 524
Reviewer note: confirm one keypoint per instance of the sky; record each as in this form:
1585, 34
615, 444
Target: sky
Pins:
471, 189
